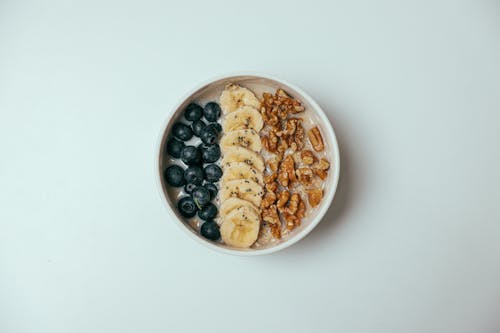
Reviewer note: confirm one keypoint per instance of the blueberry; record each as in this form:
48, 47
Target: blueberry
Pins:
201, 196
174, 175
191, 155
208, 135
194, 175
209, 153
189, 187
182, 131
210, 230
174, 147
193, 112
212, 173
212, 111
187, 207
212, 189
216, 126
198, 126
208, 212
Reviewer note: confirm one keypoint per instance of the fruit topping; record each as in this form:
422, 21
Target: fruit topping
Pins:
174, 176
182, 131
193, 112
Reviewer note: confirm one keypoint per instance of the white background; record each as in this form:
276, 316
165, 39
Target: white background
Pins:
411, 243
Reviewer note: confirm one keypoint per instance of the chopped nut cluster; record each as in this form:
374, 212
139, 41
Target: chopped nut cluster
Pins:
283, 132
280, 138
278, 106
294, 169
290, 207
268, 206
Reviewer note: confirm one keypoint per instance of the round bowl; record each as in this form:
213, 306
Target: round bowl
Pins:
210, 91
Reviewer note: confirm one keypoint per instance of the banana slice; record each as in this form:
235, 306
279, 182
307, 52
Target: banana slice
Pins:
235, 96
231, 204
245, 117
238, 154
242, 188
241, 170
240, 228
246, 138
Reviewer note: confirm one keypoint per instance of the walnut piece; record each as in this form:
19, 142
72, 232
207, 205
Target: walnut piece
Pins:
305, 175
316, 139
273, 165
294, 133
282, 112
283, 178
301, 210
270, 178
273, 141
291, 220
282, 199
322, 174
298, 136
323, 164
291, 125
294, 212
296, 157
282, 145
307, 157
265, 142
268, 199
276, 230
270, 216
287, 169
268, 110
291, 104
314, 196
272, 187
320, 169
293, 204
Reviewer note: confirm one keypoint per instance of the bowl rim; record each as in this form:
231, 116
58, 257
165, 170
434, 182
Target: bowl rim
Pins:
327, 200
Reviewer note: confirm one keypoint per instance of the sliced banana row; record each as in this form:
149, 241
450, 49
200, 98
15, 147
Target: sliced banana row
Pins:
242, 182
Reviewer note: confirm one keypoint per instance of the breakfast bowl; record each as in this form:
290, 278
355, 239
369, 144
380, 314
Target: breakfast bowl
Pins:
247, 164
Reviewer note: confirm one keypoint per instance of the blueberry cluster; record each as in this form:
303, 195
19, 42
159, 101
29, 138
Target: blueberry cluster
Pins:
200, 174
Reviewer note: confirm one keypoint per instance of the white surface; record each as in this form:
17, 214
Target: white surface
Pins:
411, 243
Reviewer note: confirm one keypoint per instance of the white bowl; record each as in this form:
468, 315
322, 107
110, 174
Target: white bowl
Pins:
210, 91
